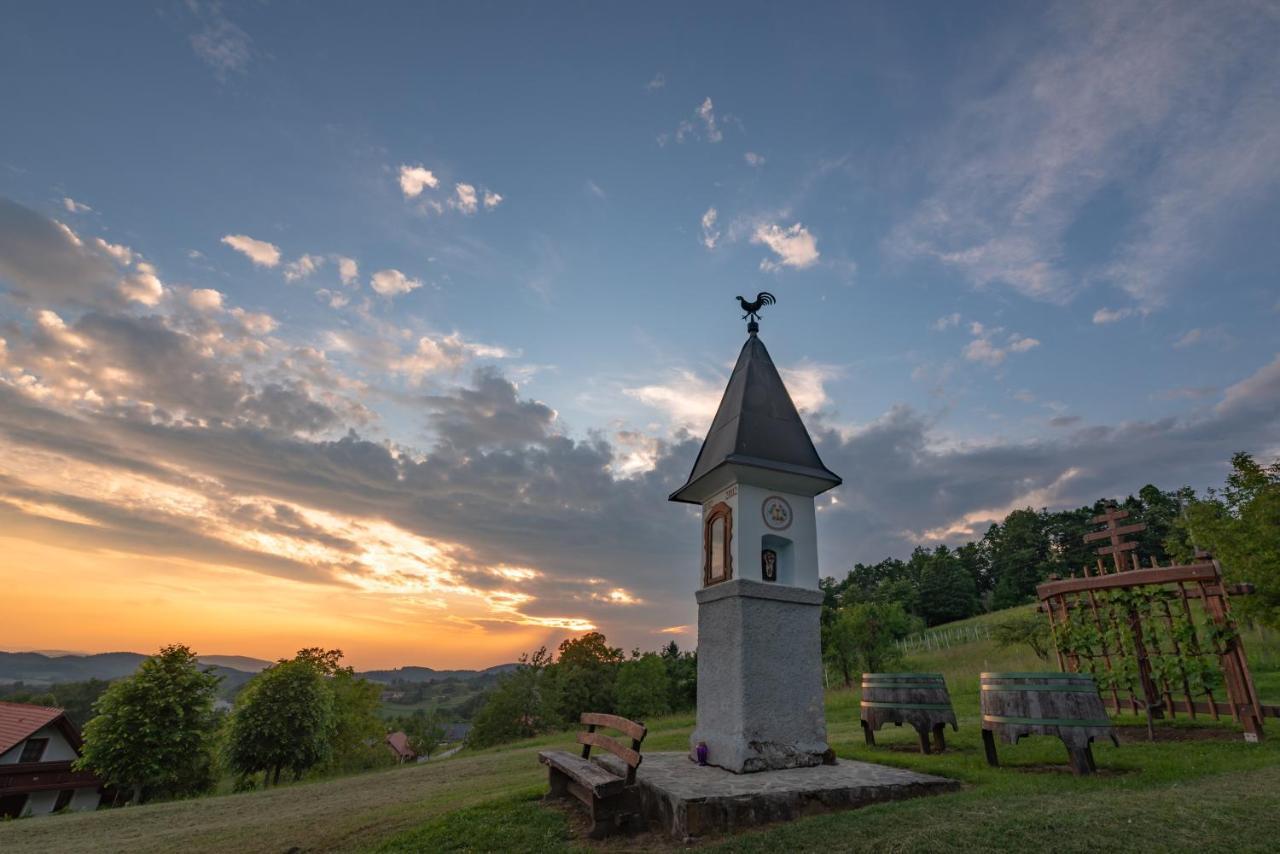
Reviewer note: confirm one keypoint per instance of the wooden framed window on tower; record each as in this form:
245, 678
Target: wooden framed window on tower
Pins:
717, 535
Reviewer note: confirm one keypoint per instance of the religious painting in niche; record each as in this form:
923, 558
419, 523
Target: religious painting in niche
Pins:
769, 565
776, 512
717, 534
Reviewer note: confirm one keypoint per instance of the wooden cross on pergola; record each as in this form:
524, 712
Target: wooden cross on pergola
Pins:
1114, 532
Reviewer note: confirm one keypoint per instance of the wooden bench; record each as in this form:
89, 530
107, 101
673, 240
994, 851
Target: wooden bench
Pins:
611, 800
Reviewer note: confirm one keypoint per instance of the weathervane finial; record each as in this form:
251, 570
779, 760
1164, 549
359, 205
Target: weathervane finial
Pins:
752, 309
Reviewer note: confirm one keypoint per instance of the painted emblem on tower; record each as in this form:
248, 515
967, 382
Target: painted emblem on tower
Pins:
777, 513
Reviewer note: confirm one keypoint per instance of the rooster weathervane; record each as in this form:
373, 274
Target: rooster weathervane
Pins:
752, 309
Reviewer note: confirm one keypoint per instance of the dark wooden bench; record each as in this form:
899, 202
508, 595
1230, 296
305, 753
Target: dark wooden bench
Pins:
611, 800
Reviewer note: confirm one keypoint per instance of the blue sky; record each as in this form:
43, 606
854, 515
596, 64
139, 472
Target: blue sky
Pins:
1024, 254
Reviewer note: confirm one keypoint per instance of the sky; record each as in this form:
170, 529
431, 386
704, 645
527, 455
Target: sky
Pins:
390, 327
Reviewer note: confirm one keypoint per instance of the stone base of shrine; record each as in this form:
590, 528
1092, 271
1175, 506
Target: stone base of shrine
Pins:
684, 799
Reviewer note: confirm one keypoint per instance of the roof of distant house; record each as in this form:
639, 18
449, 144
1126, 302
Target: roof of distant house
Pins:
399, 744
18, 721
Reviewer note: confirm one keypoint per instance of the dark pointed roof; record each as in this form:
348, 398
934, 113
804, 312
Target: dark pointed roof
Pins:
757, 425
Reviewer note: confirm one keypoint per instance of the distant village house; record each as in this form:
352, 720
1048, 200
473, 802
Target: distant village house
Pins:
37, 746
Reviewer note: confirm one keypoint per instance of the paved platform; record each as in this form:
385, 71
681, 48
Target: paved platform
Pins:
685, 799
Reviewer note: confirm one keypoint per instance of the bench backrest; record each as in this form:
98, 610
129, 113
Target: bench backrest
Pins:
590, 738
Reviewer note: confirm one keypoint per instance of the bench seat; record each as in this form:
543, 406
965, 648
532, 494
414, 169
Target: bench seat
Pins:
598, 780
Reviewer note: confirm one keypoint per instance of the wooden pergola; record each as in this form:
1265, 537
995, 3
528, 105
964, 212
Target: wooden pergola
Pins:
1170, 591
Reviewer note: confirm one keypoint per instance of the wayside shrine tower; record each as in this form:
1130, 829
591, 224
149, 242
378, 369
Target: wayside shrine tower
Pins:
760, 701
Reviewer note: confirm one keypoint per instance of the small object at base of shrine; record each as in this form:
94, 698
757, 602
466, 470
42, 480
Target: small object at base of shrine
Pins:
918, 699
1066, 705
702, 753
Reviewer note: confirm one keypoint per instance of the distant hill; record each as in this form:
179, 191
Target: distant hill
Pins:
427, 674
36, 668
237, 662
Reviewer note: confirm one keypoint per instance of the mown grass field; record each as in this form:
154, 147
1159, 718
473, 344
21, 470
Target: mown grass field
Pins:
1199, 787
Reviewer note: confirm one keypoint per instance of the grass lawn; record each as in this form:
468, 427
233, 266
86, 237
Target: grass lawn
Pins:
1198, 787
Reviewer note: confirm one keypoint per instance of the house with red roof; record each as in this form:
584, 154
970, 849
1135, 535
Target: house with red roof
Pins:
400, 749
37, 746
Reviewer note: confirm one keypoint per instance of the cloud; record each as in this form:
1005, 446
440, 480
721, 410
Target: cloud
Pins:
1188, 338
41, 256
1021, 344
464, 198
75, 207
122, 254
702, 125
1022, 159
946, 322
1211, 335
221, 44
415, 179
753, 159
984, 350
391, 282
709, 233
142, 285
806, 383
656, 82
794, 246
301, 268
205, 299
706, 112
1107, 315
260, 252
491, 199
348, 270
688, 400
596, 190
447, 353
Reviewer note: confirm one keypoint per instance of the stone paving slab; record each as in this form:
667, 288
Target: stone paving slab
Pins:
685, 799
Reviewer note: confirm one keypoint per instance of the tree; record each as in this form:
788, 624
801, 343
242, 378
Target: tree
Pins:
682, 677
516, 708
642, 688
865, 635
1030, 629
357, 729
946, 590
1240, 526
1020, 557
582, 679
154, 730
424, 731
283, 718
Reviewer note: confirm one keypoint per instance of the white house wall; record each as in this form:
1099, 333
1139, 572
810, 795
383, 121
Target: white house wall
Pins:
58, 749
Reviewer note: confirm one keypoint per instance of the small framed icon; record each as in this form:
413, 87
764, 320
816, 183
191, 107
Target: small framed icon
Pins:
769, 565
776, 512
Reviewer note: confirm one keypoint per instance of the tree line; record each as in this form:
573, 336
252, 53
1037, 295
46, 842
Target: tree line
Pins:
156, 734
550, 691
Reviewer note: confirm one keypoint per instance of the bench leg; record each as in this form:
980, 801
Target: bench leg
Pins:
939, 740
1081, 759
989, 744
924, 740
604, 817
559, 784
868, 734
